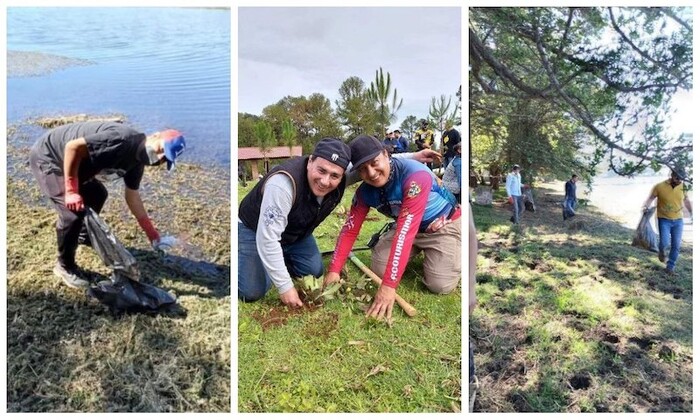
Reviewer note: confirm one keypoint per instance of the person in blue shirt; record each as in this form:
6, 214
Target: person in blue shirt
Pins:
390, 142
570, 197
401, 142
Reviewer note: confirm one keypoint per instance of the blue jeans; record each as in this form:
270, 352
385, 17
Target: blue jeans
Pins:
673, 230
302, 258
518, 208
570, 206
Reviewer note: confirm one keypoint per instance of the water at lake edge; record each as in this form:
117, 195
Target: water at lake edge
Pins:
160, 67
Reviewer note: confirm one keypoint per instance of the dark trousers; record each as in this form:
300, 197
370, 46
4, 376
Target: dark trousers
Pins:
69, 226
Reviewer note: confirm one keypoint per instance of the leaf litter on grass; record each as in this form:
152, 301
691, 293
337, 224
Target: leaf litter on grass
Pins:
618, 332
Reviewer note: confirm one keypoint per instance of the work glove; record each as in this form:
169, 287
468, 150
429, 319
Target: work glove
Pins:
164, 244
72, 199
510, 200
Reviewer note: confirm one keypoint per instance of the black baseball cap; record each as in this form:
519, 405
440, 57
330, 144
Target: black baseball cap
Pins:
678, 172
334, 151
363, 149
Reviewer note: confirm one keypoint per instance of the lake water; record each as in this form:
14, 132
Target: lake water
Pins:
160, 67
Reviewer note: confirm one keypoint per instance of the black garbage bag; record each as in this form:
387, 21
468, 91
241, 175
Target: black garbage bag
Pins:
528, 200
645, 237
124, 292
108, 248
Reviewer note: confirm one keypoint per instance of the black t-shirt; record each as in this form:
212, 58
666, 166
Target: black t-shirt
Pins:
449, 139
114, 151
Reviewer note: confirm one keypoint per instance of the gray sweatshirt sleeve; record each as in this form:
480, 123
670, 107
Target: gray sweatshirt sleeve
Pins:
274, 210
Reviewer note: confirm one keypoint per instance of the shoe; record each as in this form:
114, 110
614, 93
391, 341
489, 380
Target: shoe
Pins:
512, 219
670, 272
71, 277
662, 255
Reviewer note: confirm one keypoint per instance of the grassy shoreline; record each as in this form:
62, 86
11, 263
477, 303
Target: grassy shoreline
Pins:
68, 353
572, 318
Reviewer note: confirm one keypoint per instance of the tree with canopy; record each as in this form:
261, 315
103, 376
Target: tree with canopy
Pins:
606, 74
355, 108
440, 114
409, 125
289, 134
312, 118
387, 105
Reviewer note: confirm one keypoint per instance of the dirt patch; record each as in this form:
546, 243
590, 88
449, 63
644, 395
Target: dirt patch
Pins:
581, 381
276, 316
520, 403
644, 343
322, 325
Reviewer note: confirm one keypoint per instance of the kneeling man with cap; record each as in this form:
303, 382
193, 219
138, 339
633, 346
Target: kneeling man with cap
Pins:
277, 219
427, 217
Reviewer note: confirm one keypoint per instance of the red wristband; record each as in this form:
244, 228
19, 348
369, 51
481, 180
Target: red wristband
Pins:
147, 226
71, 184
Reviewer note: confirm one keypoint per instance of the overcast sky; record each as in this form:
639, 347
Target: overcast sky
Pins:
299, 51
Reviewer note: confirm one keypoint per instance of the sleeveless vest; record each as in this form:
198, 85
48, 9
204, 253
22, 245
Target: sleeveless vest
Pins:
306, 213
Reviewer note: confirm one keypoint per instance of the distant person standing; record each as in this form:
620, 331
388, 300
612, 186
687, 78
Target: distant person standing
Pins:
390, 142
401, 142
515, 196
449, 139
424, 137
671, 196
570, 197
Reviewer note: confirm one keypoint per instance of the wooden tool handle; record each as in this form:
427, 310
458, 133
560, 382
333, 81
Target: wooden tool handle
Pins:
407, 307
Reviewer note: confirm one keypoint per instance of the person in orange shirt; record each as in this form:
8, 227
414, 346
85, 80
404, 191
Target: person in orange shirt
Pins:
671, 196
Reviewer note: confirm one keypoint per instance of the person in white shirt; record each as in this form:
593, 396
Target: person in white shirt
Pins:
515, 195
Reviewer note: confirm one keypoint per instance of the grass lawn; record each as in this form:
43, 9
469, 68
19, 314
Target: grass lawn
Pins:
68, 353
332, 359
572, 318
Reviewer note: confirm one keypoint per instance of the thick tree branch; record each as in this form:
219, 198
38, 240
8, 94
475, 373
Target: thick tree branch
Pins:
501, 70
